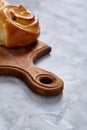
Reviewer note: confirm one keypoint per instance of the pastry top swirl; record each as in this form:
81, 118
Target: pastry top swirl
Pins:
21, 26
22, 18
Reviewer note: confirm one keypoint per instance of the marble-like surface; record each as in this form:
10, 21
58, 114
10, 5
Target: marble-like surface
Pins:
64, 28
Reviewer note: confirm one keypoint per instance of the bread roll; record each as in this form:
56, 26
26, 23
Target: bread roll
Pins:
18, 27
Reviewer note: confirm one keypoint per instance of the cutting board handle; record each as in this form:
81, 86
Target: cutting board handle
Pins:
38, 80
43, 82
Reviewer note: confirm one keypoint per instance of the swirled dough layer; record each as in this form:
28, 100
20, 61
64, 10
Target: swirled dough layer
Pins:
18, 27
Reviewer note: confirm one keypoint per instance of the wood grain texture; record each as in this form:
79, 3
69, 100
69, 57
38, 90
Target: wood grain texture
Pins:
20, 62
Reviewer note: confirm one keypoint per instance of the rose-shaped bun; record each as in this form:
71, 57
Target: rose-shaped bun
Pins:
18, 27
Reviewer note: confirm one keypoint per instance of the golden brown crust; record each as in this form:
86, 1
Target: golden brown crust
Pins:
21, 27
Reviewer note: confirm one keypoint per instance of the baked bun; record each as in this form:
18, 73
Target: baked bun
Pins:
18, 27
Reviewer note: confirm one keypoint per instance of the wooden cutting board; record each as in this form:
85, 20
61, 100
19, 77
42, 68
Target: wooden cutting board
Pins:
20, 62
